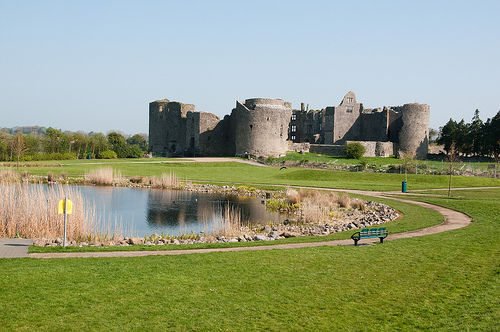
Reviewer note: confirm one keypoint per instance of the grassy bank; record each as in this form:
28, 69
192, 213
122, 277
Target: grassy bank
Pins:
233, 172
448, 281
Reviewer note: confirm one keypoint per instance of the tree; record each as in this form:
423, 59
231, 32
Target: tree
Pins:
118, 144
4, 146
447, 134
99, 143
408, 157
462, 141
55, 141
139, 140
452, 158
18, 146
135, 151
492, 133
433, 134
476, 134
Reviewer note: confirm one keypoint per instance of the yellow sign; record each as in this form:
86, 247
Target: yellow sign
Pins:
60, 206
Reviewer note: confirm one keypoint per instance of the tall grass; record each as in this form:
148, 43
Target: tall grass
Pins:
316, 206
30, 211
166, 181
9, 176
226, 222
105, 176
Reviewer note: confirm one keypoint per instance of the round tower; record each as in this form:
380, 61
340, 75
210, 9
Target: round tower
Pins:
414, 133
261, 126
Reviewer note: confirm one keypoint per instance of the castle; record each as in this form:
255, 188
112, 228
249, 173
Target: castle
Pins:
269, 127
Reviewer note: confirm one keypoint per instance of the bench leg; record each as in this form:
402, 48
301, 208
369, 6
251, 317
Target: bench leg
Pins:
381, 240
356, 243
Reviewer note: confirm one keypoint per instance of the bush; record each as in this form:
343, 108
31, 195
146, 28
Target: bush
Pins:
108, 154
135, 152
354, 150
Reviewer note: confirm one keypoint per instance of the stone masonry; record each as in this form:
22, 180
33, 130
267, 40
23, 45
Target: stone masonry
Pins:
269, 127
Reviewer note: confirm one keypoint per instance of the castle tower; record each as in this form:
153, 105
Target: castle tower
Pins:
167, 127
260, 126
414, 133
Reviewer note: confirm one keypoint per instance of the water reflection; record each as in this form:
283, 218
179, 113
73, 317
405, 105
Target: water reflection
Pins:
141, 212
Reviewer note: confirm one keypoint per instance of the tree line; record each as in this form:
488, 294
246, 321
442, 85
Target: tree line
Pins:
476, 138
53, 144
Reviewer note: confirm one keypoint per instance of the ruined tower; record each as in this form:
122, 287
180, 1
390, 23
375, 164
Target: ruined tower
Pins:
261, 126
414, 133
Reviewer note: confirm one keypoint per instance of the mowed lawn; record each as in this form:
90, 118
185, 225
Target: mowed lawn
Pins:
447, 281
240, 173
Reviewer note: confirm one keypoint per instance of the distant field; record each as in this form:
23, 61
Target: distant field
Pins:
234, 172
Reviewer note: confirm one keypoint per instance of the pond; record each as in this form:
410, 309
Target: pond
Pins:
142, 212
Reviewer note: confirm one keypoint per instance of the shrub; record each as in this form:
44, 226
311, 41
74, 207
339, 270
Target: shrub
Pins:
135, 151
354, 150
108, 154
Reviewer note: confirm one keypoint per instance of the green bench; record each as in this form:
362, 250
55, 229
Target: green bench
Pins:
366, 233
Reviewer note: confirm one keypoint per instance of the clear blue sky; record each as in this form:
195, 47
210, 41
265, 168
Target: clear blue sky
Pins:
96, 65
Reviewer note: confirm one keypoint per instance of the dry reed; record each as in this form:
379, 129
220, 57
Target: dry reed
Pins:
166, 181
227, 222
105, 176
293, 196
345, 201
30, 211
9, 176
358, 204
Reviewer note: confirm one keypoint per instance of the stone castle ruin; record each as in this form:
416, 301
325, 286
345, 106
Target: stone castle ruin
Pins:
269, 127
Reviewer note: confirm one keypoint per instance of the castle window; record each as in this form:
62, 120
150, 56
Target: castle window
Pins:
294, 117
349, 109
251, 127
294, 129
349, 100
293, 138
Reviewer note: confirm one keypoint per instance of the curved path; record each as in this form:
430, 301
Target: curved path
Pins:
452, 220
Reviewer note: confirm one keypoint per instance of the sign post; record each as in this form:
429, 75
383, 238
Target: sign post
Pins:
65, 206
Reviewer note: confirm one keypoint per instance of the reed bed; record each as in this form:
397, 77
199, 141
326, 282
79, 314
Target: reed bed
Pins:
105, 176
9, 176
30, 211
227, 222
315, 206
166, 181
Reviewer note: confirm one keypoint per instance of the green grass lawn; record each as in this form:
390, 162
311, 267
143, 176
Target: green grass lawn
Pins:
233, 172
448, 281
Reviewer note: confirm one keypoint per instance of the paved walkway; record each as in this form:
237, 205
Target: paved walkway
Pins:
14, 248
452, 220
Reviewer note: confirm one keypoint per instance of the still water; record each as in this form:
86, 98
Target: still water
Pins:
142, 212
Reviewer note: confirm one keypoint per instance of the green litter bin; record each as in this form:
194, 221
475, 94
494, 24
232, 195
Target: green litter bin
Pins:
403, 186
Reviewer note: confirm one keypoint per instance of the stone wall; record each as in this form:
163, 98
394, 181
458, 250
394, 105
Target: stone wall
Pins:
327, 149
346, 120
377, 148
298, 147
374, 125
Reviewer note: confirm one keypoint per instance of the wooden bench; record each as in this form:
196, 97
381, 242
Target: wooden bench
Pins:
366, 233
